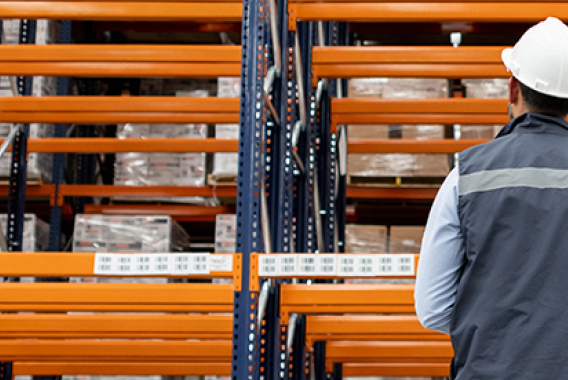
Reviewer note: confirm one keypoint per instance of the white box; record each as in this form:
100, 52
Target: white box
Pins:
225, 233
225, 165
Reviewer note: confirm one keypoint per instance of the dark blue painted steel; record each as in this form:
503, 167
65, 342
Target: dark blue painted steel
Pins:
245, 363
319, 361
59, 159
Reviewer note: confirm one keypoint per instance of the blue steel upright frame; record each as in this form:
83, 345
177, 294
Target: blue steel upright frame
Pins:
245, 353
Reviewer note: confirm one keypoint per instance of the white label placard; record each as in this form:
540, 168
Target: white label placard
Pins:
346, 265
267, 265
307, 265
394, 265
287, 265
364, 265
326, 265
220, 263
151, 264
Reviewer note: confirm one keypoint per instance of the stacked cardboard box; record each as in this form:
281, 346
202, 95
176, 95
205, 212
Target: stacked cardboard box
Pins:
225, 165
487, 89
405, 239
403, 165
361, 238
39, 165
225, 233
122, 233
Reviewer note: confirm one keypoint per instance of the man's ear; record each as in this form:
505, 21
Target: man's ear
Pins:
514, 90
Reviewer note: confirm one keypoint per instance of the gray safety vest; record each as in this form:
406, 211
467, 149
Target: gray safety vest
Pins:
510, 320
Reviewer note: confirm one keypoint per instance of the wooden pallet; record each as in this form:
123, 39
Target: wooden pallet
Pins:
221, 181
4, 181
394, 181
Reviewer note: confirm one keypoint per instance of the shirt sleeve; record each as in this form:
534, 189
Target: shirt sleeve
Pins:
441, 259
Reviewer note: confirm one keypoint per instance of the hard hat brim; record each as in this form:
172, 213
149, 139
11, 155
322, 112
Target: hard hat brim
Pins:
507, 57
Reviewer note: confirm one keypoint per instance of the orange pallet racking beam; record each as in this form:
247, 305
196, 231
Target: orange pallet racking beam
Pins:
106, 368
114, 145
369, 352
121, 61
182, 213
408, 61
116, 326
118, 109
123, 10
397, 369
116, 297
425, 11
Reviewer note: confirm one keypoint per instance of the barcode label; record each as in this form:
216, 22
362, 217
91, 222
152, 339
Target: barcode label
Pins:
346, 266
395, 265
267, 265
113, 264
220, 263
287, 264
306, 265
326, 265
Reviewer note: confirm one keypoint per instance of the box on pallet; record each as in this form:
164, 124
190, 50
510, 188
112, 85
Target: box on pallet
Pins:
122, 233
405, 239
360, 238
225, 165
39, 166
225, 233
397, 165
162, 169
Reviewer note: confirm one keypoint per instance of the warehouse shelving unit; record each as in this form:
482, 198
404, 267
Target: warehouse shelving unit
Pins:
291, 189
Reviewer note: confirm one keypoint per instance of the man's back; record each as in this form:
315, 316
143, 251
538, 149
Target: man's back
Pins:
510, 318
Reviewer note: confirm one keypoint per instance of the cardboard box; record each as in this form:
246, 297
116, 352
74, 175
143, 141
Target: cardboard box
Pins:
485, 132
225, 233
226, 165
360, 238
405, 239
486, 88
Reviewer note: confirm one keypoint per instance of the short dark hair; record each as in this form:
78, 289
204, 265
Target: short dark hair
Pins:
541, 103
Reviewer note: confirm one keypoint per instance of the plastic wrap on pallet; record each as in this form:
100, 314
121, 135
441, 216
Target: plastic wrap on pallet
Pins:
405, 239
397, 165
225, 165
123, 233
163, 169
39, 165
225, 233
486, 88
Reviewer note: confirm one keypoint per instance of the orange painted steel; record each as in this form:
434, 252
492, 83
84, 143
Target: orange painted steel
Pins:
116, 326
123, 10
390, 193
397, 369
116, 297
363, 327
65, 264
422, 11
147, 191
113, 145
385, 352
359, 146
118, 109
115, 350
418, 111
183, 213
106, 368
338, 299
120, 60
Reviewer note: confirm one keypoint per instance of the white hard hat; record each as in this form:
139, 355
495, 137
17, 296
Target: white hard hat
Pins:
539, 60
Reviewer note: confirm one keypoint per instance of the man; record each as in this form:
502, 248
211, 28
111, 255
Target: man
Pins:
493, 270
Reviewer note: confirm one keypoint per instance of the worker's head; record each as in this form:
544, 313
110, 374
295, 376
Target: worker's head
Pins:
539, 64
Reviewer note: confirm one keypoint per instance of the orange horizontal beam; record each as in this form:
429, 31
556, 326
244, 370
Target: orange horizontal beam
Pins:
354, 192
118, 109
64, 264
397, 369
116, 326
121, 368
122, 10
360, 146
367, 352
338, 326
121, 53
408, 61
80, 350
419, 111
116, 297
185, 213
334, 299
505, 11
114, 145
146, 191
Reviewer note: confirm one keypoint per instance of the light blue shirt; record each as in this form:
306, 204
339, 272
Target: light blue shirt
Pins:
441, 258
